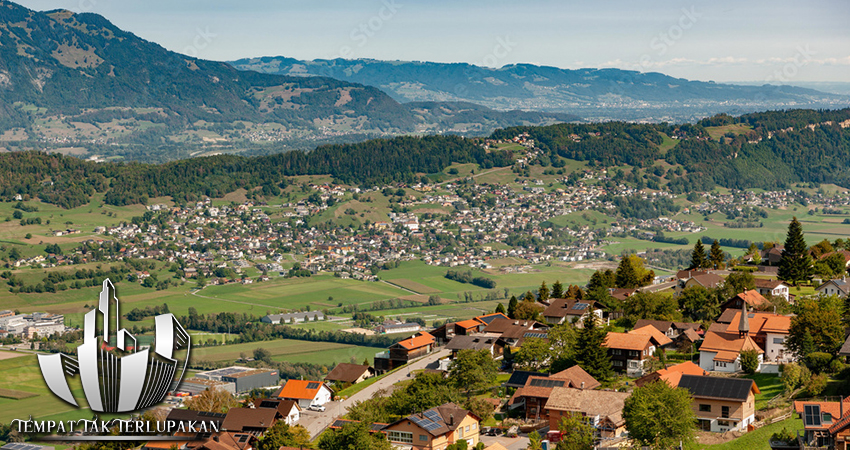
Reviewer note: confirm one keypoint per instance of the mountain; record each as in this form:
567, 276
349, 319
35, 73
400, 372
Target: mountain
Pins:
80, 84
592, 93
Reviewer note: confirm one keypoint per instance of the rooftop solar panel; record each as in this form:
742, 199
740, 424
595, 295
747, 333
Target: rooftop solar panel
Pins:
580, 306
312, 385
433, 415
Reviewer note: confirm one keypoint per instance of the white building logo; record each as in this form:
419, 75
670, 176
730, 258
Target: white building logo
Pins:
114, 383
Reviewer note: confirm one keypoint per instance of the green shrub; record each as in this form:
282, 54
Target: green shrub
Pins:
816, 384
785, 436
818, 362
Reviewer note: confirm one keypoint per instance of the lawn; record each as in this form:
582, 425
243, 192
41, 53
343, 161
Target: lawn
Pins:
757, 440
770, 386
290, 350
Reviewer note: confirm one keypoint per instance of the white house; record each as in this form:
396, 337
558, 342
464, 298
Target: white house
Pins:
306, 392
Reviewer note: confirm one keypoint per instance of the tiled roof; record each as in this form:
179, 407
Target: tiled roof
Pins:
626, 341
761, 283
238, 419
659, 338
300, 389
751, 298
420, 340
589, 402
440, 420
467, 324
708, 280
346, 372
672, 374
562, 307
831, 408
728, 342
762, 322
576, 376
476, 342
660, 325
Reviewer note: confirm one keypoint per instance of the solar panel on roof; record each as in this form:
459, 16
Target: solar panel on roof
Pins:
268, 404
535, 335
312, 385
433, 426
580, 306
243, 438
433, 415
547, 383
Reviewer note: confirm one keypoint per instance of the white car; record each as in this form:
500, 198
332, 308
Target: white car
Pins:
318, 408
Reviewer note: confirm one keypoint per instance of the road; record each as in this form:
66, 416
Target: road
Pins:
316, 422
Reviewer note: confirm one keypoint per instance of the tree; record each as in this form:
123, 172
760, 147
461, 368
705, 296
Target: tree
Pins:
699, 303
212, 400
534, 355
817, 327
821, 248
793, 376
512, 304
738, 282
576, 434
528, 311
660, 416
574, 293
473, 370
796, 264
355, 435
632, 274
591, 353
698, 257
500, 308
535, 442
283, 435
716, 255
557, 290
261, 354
651, 305
749, 361
543, 292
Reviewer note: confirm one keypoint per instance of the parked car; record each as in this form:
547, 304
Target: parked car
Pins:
318, 408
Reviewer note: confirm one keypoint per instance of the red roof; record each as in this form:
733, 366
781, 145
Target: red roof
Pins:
421, 340
471, 323
299, 389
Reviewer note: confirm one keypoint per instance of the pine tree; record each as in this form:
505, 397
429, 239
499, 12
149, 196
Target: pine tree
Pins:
500, 308
512, 304
698, 258
795, 264
557, 290
528, 297
543, 292
591, 353
716, 255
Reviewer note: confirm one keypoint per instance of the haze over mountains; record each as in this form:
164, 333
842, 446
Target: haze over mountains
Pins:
77, 79
600, 94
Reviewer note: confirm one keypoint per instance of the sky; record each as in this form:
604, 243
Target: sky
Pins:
776, 41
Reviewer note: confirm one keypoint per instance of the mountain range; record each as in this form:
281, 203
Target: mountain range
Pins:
598, 94
78, 80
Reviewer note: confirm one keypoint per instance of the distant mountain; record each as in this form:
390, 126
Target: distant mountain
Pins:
78, 81
591, 93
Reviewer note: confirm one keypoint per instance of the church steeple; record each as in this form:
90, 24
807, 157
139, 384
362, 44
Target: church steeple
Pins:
744, 324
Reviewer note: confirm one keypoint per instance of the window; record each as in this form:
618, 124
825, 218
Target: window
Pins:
466, 430
423, 438
617, 363
778, 340
705, 408
724, 412
400, 436
616, 351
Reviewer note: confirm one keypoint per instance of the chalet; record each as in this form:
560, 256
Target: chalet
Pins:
706, 280
768, 330
602, 409
346, 373
721, 350
751, 298
305, 392
629, 352
721, 404
658, 339
671, 375
824, 423
535, 393
561, 310
435, 429
773, 255
840, 288
402, 352
514, 332
664, 326
287, 410
772, 288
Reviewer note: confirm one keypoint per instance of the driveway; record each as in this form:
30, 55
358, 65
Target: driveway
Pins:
316, 422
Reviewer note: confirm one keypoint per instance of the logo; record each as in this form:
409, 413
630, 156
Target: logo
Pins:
122, 379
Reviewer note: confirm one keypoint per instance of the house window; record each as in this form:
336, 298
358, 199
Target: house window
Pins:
778, 340
403, 437
423, 438
705, 408
633, 354
616, 351
724, 412
719, 364
467, 430
617, 363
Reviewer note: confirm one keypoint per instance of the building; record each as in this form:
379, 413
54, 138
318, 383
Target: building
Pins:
534, 394
287, 410
825, 424
243, 378
305, 392
672, 374
721, 349
405, 351
772, 288
394, 326
629, 352
254, 421
187, 416
514, 332
435, 429
840, 288
492, 342
346, 373
722, 404
706, 280
751, 298
769, 331
602, 409
561, 310
195, 386
297, 317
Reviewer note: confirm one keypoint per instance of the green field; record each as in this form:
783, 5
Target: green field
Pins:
325, 353
756, 440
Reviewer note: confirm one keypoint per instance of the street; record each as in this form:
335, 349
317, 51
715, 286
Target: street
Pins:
316, 422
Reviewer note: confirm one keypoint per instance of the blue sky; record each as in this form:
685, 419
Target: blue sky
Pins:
721, 40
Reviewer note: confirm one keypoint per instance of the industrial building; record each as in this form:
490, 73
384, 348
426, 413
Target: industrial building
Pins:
243, 378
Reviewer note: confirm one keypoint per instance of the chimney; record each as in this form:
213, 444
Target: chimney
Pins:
582, 384
451, 419
744, 324
215, 438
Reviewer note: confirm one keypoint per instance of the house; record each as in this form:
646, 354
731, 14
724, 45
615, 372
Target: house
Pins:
706, 280
305, 392
254, 421
310, 316
537, 390
435, 429
768, 330
658, 339
448, 331
721, 349
346, 373
663, 326
721, 404
519, 378
773, 255
671, 375
288, 410
402, 352
394, 326
492, 342
825, 424
602, 409
629, 351
840, 288
751, 298
772, 288
561, 310
513, 332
